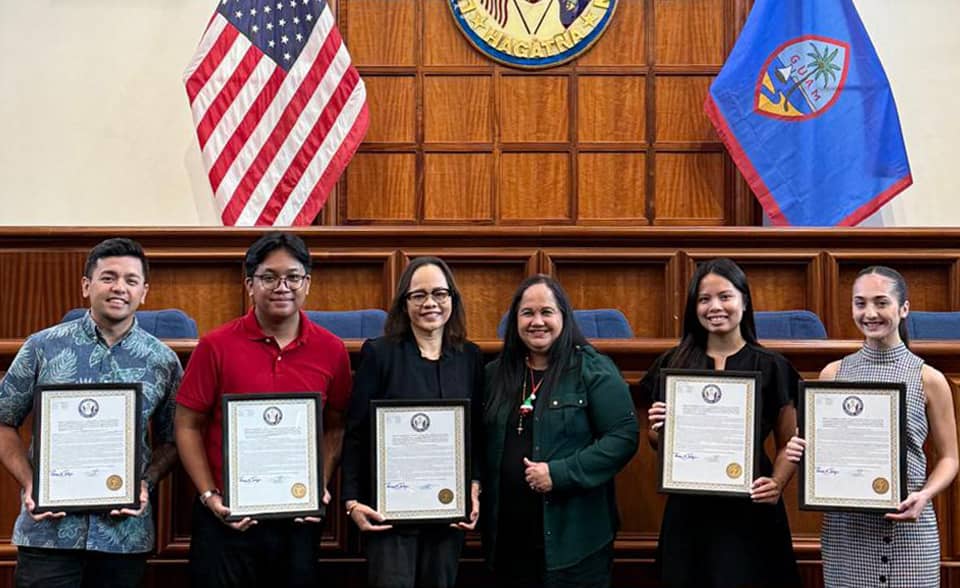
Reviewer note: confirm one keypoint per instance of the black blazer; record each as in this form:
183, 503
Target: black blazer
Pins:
391, 369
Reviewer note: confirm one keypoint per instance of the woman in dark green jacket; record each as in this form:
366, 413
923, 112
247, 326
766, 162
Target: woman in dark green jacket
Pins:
560, 424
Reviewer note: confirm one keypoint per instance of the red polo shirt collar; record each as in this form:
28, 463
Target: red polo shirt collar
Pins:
253, 330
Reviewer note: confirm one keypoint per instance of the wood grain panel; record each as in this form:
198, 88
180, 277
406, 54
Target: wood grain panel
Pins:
381, 187
611, 109
381, 32
612, 187
535, 187
458, 187
928, 288
9, 488
212, 293
640, 505
637, 289
348, 285
38, 288
689, 188
778, 286
689, 32
624, 41
457, 109
534, 109
680, 115
182, 493
445, 44
393, 109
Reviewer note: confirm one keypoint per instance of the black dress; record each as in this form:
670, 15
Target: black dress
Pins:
520, 547
730, 542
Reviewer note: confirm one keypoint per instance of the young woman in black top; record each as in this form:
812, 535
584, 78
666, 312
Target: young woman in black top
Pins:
718, 541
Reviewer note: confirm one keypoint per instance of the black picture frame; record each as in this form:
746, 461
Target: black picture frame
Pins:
40, 444
665, 375
229, 493
804, 418
376, 406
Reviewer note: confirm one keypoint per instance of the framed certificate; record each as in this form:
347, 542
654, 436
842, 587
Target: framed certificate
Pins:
855, 458
272, 455
710, 441
85, 447
421, 460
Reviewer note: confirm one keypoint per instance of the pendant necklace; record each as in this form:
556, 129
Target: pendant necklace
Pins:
526, 404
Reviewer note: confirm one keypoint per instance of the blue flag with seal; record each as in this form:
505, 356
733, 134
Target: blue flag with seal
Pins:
806, 112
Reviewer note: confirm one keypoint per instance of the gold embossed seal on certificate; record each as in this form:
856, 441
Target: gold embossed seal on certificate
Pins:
86, 439
711, 440
272, 455
532, 34
856, 457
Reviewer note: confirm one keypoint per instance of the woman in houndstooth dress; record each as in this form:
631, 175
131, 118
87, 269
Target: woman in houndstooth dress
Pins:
899, 550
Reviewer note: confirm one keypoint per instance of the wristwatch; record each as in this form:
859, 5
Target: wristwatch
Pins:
205, 496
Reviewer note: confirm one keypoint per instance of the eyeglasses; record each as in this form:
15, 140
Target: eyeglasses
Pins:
419, 297
272, 282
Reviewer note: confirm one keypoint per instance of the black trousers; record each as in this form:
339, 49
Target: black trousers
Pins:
276, 554
425, 557
39, 567
529, 571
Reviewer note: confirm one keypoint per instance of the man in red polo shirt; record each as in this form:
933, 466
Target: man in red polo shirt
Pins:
274, 348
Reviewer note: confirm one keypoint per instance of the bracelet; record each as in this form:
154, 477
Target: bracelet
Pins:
350, 508
205, 496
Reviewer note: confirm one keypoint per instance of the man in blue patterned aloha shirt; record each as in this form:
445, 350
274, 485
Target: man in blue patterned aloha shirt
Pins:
107, 346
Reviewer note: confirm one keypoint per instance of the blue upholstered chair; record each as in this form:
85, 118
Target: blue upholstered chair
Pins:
933, 325
170, 323
600, 323
788, 324
351, 324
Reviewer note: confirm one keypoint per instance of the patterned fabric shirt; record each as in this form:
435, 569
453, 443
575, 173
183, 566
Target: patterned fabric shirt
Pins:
74, 352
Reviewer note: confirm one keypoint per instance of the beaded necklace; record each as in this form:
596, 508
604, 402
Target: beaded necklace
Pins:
526, 401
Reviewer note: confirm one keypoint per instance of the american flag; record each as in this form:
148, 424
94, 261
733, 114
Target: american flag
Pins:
498, 10
279, 109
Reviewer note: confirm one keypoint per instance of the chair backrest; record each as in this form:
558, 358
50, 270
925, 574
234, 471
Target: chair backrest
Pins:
169, 323
933, 325
599, 323
788, 324
351, 324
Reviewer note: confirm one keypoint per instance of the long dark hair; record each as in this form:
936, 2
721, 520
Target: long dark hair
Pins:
397, 325
508, 380
899, 292
693, 342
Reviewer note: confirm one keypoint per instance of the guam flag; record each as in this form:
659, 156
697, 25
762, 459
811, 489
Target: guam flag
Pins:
805, 109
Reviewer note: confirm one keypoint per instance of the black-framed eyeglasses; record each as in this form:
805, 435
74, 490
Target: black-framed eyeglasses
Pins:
419, 297
272, 281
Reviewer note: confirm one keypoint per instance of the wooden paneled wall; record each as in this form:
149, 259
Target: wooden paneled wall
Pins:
616, 137
641, 271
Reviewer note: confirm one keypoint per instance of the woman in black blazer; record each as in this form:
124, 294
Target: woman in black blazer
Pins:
423, 355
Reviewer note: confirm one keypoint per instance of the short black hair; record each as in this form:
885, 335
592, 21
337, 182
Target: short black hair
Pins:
116, 247
272, 241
